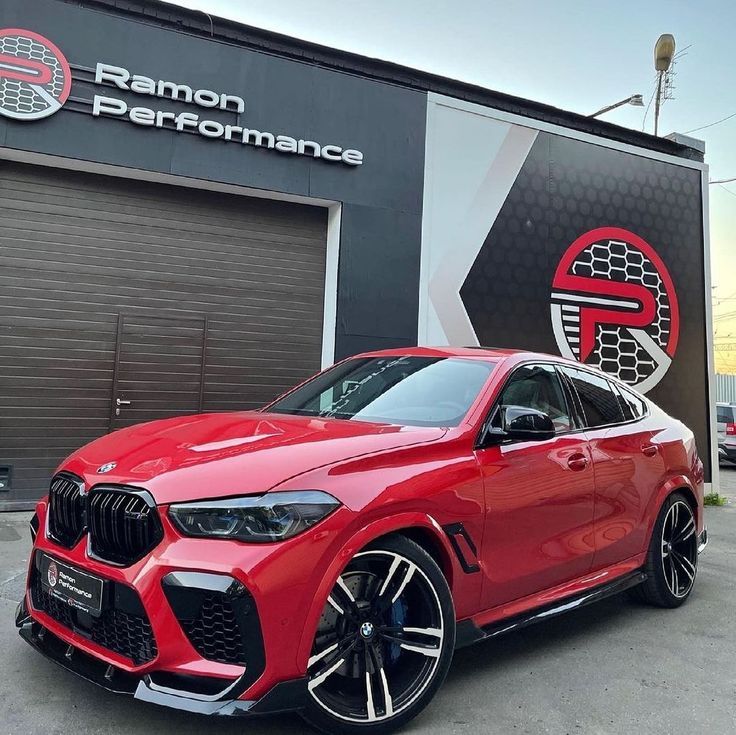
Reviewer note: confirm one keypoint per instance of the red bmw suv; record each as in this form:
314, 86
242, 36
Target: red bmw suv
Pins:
328, 553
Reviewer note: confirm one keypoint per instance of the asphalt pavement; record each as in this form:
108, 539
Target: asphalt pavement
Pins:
615, 667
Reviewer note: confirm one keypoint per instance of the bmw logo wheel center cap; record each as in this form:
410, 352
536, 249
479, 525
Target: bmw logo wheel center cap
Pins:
367, 630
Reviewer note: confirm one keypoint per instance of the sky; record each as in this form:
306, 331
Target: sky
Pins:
575, 54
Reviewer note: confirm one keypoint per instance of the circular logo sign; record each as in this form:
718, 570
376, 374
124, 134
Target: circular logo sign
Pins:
107, 468
52, 574
35, 78
614, 306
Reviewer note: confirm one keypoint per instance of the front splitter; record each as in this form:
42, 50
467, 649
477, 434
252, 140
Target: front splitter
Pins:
283, 697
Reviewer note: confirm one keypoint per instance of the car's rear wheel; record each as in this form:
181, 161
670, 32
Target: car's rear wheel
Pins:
384, 642
672, 560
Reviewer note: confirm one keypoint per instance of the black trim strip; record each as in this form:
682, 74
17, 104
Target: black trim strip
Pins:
468, 632
285, 696
453, 530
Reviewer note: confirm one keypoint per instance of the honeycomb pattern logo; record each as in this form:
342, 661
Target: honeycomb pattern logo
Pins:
35, 78
614, 306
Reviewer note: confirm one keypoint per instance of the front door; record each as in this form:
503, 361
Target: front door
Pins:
539, 497
159, 368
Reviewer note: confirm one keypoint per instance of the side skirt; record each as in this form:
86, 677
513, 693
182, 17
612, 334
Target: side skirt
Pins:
468, 632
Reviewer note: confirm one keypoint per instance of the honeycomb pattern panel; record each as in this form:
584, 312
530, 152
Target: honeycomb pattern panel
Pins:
567, 187
617, 352
215, 633
124, 633
23, 98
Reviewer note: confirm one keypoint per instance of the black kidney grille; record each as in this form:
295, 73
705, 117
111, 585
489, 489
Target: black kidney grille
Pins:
67, 503
123, 524
215, 633
127, 633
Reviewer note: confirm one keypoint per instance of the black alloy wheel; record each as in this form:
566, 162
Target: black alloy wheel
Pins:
672, 560
384, 642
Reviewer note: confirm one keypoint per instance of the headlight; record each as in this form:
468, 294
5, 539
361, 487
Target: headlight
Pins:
256, 519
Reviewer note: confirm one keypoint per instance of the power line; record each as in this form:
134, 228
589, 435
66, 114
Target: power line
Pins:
727, 190
710, 125
728, 316
649, 104
723, 181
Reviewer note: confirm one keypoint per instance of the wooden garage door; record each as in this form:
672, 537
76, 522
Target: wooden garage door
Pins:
177, 299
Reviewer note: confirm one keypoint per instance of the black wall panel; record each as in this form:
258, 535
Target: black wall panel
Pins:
567, 188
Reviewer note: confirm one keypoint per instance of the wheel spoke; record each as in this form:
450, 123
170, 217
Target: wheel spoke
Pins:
394, 584
686, 532
392, 570
346, 591
414, 639
413, 644
424, 650
343, 600
406, 579
388, 703
319, 656
687, 566
334, 604
333, 658
314, 683
675, 578
434, 632
369, 698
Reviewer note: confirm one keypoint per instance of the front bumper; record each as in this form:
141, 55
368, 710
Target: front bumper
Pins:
144, 644
727, 452
188, 693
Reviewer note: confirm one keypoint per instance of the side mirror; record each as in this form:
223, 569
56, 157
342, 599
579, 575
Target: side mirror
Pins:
521, 424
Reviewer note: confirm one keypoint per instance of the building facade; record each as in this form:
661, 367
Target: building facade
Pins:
195, 215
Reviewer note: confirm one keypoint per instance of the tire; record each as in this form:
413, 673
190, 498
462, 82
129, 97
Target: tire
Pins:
672, 559
384, 642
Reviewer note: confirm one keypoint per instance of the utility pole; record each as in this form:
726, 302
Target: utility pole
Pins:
664, 51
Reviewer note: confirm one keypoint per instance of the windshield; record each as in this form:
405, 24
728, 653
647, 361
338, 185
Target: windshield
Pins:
411, 391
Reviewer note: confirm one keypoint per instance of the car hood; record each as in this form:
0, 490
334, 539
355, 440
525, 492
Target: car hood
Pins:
220, 455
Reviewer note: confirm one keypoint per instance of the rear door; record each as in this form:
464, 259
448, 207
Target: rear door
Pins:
628, 463
539, 497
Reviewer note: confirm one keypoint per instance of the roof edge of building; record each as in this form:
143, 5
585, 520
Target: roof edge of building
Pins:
199, 23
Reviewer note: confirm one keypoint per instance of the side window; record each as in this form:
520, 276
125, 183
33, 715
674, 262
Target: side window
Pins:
636, 405
538, 387
626, 408
601, 405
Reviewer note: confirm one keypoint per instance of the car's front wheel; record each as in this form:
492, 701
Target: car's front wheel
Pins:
384, 642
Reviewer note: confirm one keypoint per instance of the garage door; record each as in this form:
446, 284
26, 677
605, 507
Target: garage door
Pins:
122, 301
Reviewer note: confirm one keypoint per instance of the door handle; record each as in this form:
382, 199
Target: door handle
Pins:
577, 462
649, 450
121, 402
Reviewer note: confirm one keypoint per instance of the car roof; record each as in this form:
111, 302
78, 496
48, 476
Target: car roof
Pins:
500, 354
481, 353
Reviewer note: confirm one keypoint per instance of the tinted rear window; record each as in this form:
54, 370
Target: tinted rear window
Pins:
600, 403
633, 404
725, 414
